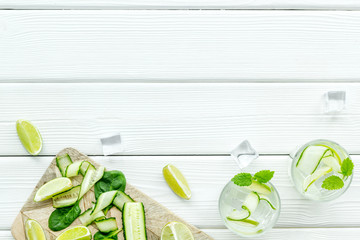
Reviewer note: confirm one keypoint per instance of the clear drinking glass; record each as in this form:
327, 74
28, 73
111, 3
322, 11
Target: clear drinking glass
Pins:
232, 199
313, 163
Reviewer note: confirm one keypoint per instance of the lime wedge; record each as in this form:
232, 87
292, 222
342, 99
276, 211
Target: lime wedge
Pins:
76, 233
176, 231
29, 136
176, 181
50, 189
34, 230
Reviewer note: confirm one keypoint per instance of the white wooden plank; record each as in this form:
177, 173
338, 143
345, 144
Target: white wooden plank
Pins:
6, 235
207, 175
120, 45
293, 234
180, 4
193, 118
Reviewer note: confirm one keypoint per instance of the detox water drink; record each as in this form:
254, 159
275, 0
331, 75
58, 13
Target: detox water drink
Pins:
235, 203
321, 170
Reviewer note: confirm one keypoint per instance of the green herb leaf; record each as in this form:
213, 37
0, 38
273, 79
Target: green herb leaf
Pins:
332, 183
242, 179
264, 176
112, 180
347, 167
61, 218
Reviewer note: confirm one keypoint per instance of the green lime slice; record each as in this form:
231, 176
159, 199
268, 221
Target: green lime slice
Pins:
176, 181
29, 136
76, 233
52, 188
34, 231
175, 231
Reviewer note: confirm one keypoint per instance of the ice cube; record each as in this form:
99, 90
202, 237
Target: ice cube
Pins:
335, 101
111, 144
244, 154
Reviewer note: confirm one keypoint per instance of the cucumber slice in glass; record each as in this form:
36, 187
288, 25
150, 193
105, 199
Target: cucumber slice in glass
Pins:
315, 176
310, 158
259, 187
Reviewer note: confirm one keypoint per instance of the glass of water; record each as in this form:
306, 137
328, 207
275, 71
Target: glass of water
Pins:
314, 163
249, 211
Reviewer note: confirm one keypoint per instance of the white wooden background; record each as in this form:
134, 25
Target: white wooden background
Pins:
185, 87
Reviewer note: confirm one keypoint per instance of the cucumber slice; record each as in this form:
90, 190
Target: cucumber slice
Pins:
73, 169
262, 197
134, 221
67, 198
333, 163
251, 202
86, 218
259, 187
246, 223
120, 199
315, 176
237, 215
107, 225
84, 166
92, 175
62, 162
104, 200
310, 158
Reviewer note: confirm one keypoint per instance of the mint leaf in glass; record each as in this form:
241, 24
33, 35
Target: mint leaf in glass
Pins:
332, 183
242, 179
264, 176
347, 167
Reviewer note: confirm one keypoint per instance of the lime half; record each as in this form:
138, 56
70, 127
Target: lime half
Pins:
34, 230
176, 231
176, 181
52, 188
76, 233
29, 136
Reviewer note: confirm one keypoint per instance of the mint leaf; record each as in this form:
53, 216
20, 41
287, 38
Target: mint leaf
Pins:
347, 167
264, 176
332, 183
242, 179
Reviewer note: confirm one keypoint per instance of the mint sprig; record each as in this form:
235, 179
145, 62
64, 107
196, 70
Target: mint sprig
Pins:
347, 167
246, 179
332, 183
264, 176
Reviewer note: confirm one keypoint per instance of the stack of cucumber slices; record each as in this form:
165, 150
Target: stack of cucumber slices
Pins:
317, 161
109, 189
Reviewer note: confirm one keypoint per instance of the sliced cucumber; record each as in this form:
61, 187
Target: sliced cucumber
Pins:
262, 197
92, 175
259, 187
315, 176
84, 166
310, 158
246, 223
67, 198
62, 162
333, 163
237, 215
134, 221
120, 199
107, 225
86, 218
104, 200
251, 202
73, 169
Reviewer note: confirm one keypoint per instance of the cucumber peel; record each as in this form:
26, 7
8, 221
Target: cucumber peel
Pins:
62, 162
120, 199
104, 200
92, 175
86, 218
106, 225
73, 169
67, 198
